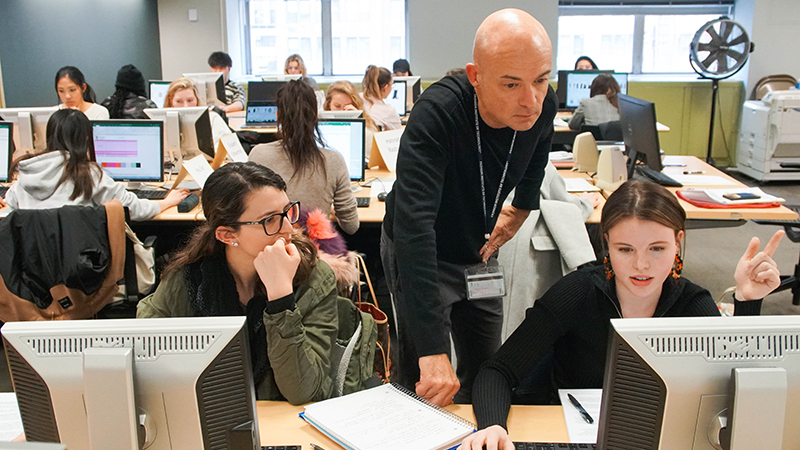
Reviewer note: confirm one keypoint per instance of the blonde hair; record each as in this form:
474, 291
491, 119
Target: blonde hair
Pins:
375, 79
178, 85
346, 88
299, 60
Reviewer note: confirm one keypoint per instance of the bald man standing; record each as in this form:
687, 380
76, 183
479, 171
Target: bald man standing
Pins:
470, 140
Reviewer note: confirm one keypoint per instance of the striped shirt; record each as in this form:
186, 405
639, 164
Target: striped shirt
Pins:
234, 92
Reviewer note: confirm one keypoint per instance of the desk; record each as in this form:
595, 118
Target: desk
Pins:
279, 424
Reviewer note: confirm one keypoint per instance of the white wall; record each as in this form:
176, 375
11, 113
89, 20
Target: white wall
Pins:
774, 27
441, 32
185, 45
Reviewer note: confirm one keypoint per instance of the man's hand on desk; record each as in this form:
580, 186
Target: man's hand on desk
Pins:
494, 437
508, 223
437, 381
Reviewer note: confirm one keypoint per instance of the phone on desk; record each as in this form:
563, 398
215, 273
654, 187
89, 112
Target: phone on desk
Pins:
741, 196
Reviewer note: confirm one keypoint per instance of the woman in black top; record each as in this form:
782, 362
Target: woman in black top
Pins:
643, 227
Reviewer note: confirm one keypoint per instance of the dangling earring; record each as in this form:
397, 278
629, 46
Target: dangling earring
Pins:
609, 269
677, 268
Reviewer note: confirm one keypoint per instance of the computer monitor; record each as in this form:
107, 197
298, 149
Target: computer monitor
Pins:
210, 87
130, 150
30, 126
354, 114
579, 83
413, 89
561, 87
638, 120
264, 91
134, 383
671, 382
187, 131
6, 150
397, 98
282, 77
158, 91
346, 136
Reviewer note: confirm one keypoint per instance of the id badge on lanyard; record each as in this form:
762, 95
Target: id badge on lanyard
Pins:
485, 281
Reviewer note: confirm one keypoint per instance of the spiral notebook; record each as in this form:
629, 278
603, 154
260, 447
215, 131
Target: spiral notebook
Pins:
388, 417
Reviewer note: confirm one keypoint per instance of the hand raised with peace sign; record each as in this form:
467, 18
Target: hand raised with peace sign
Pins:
757, 274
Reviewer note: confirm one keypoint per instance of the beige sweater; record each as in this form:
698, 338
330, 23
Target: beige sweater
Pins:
313, 188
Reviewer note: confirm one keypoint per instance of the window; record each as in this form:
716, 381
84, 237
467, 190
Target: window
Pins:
360, 32
633, 38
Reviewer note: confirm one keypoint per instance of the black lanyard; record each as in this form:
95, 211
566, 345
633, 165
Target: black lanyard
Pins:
486, 216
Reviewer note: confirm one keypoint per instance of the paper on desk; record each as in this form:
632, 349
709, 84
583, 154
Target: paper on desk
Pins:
560, 156
10, 420
581, 432
579, 185
560, 123
199, 169
234, 147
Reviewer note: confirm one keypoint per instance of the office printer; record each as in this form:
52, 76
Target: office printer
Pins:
769, 138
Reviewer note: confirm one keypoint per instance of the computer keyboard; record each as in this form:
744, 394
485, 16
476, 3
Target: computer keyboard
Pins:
547, 446
362, 202
3, 190
150, 194
656, 176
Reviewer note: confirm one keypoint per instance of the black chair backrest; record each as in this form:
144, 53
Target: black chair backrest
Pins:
594, 129
611, 131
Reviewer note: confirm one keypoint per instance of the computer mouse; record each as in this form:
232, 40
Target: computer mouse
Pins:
382, 197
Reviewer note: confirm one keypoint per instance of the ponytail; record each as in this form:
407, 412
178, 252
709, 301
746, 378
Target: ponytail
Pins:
375, 79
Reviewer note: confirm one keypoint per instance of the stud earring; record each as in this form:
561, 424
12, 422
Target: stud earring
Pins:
235, 244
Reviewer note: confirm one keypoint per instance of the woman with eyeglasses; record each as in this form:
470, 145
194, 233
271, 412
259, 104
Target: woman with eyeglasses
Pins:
245, 260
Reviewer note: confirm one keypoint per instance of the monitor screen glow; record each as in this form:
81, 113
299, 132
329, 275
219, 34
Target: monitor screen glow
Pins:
5, 150
129, 150
578, 84
397, 98
158, 92
347, 138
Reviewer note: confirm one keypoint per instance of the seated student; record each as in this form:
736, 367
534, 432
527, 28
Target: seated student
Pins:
316, 176
585, 63
244, 260
75, 93
377, 85
65, 174
343, 96
234, 92
182, 93
401, 68
602, 106
643, 226
130, 98
295, 66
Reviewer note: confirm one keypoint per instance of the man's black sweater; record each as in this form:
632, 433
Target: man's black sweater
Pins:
434, 213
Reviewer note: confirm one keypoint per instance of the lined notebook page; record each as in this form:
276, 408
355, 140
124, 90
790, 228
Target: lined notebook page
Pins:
387, 418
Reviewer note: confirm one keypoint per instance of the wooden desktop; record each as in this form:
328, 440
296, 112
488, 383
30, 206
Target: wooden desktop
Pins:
279, 424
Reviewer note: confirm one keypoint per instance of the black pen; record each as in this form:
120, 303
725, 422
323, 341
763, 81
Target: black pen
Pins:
316, 447
580, 409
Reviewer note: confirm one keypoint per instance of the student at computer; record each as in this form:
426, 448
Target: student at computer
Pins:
643, 226
234, 92
585, 63
245, 260
182, 93
65, 174
401, 68
75, 93
601, 107
315, 176
130, 99
377, 85
295, 66
343, 96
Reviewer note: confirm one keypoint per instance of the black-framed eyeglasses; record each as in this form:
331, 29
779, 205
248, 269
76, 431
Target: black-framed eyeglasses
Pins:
273, 223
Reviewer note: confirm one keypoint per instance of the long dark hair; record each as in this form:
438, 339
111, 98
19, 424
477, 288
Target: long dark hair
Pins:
224, 200
297, 117
129, 81
643, 200
70, 132
605, 84
74, 74
374, 80
587, 59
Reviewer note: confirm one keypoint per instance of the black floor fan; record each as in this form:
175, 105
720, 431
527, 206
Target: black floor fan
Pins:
719, 49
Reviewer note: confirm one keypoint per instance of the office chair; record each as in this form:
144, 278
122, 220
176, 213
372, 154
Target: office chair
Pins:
594, 129
611, 131
772, 83
792, 228
63, 263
